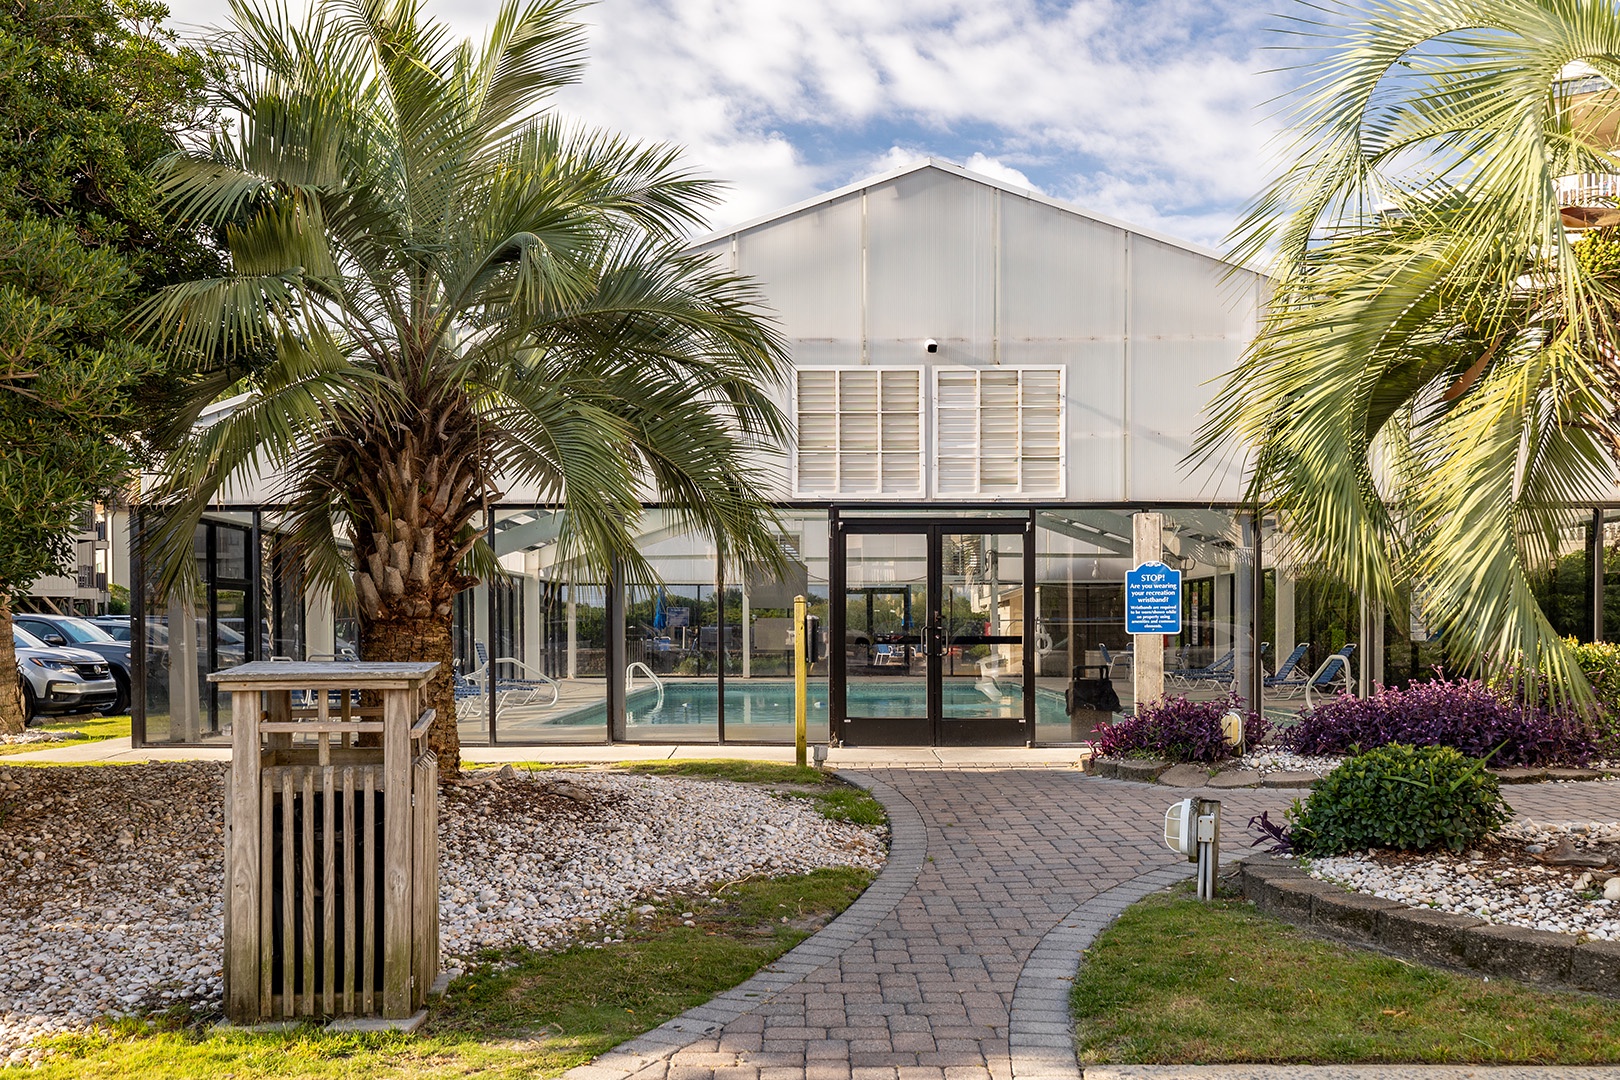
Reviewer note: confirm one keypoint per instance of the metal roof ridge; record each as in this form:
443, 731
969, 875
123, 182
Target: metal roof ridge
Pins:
964, 173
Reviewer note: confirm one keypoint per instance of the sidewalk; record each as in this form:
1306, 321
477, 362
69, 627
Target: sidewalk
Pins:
117, 751
956, 964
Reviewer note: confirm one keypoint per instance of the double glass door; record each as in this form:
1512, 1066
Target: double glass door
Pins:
933, 624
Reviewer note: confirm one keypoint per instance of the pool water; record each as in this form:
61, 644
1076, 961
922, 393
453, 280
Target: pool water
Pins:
761, 710
769, 704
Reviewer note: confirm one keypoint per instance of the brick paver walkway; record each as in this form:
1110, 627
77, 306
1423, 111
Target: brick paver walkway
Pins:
955, 965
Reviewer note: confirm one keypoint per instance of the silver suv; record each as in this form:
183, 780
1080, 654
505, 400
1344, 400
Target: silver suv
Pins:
61, 680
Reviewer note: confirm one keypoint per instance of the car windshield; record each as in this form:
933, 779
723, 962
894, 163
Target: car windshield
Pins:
22, 639
81, 632
116, 631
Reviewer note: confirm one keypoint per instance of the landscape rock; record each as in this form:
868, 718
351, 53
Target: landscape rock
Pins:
1235, 778
1145, 770
1185, 776
113, 877
1517, 775
1290, 779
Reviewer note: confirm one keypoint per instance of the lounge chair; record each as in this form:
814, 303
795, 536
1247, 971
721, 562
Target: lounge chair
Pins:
1127, 657
537, 690
1219, 673
1333, 672
1289, 672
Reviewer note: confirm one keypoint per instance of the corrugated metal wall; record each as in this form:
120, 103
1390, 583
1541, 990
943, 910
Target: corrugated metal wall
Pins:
1142, 325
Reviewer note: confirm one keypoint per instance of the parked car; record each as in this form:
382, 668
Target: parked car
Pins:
64, 631
114, 626
232, 646
61, 680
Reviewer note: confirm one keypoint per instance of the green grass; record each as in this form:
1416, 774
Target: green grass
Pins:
742, 772
844, 803
96, 728
520, 1015
833, 799
1175, 981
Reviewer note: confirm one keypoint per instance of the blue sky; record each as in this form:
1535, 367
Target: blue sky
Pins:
1152, 112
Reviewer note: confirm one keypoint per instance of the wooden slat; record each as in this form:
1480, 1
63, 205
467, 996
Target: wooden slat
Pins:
350, 881
267, 926
289, 937
396, 854
328, 895
420, 728
352, 713
280, 710
425, 883
368, 892
242, 861
307, 877
315, 727
418, 872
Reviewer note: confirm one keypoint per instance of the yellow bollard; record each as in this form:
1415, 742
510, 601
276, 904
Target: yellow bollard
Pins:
801, 679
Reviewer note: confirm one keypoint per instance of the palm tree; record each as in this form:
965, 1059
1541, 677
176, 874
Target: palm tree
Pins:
439, 289
1434, 384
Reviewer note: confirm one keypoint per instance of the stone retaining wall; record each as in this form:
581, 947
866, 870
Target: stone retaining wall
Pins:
1438, 938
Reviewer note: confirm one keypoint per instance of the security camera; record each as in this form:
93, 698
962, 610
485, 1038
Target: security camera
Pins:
931, 345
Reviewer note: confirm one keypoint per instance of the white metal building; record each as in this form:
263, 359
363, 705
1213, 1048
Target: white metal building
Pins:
987, 384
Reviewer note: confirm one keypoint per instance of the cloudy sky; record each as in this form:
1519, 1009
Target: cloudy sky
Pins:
1153, 112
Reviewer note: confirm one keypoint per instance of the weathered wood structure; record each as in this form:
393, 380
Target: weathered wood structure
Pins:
331, 847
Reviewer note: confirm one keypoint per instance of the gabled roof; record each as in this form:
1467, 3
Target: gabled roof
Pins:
958, 171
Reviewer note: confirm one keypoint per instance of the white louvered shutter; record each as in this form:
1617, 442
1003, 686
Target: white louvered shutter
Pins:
1000, 431
860, 431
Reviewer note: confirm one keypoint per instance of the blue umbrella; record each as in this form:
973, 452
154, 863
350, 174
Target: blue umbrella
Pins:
659, 617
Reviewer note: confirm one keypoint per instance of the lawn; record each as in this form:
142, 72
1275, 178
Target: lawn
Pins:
519, 1015
96, 728
1175, 981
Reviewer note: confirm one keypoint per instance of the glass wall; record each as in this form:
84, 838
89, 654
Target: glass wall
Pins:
758, 693
1081, 559
539, 631
211, 624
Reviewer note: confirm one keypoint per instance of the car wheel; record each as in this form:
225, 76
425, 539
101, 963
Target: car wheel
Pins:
121, 705
30, 703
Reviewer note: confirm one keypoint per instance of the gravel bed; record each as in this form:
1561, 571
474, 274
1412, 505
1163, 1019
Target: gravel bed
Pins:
1503, 881
24, 738
1270, 759
112, 876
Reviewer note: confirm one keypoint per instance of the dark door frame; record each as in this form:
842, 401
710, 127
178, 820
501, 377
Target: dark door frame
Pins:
930, 729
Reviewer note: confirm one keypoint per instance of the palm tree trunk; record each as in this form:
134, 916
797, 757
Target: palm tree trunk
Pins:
404, 638
12, 720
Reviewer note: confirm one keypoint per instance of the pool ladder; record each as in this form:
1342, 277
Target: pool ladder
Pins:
630, 681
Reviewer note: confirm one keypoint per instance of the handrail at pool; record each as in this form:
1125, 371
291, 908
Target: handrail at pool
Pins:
630, 680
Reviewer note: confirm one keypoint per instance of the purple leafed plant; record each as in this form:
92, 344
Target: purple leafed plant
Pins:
1179, 730
1463, 713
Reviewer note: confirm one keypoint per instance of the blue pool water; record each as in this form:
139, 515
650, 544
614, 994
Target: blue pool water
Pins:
762, 704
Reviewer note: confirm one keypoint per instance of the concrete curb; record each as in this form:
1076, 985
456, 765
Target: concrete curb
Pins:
1157, 771
908, 848
1438, 938
1352, 1072
1040, 1030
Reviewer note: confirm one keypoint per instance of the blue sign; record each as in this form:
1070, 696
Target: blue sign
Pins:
1153, 599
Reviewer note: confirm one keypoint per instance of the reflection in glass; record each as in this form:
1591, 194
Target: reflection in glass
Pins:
982, 616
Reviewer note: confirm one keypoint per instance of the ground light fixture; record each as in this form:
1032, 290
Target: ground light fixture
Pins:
1192, 827
1232, 729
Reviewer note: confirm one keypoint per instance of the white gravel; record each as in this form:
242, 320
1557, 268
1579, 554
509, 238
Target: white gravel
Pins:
28, 738
1502, 884
112, 877
1270, 759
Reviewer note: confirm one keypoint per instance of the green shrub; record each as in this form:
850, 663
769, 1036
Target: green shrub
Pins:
1600, 660
1399, 796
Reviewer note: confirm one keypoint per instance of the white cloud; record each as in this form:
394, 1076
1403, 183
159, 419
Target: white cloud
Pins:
1144, 111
